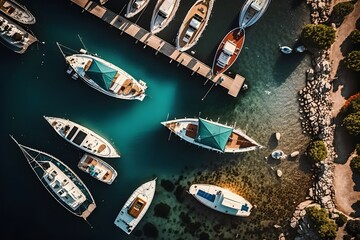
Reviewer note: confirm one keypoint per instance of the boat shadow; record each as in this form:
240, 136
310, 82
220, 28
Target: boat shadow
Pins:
273, 142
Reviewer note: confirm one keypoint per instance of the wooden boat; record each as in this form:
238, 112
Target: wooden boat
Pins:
135, 6
97, 168
212, 135
82, 137
228, 50
251, 12
136, 207
221, 199
60, 181
163, 13
104, 76
13, 36
17, 11
194, 24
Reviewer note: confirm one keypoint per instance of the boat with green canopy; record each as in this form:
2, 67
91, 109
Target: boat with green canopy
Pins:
212, 135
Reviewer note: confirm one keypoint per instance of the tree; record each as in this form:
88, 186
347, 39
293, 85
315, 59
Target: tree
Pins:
352, 61
353, 228
340, 11
318, 36
355, 36
341, 220
319, 218
352, 123
355, 164
317, 151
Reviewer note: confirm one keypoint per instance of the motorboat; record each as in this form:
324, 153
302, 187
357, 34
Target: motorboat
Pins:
17, 11
135, 6
286, 49
211, 135
221, 199
135, 207
251, 12
277, 154
82, 137
194, 24
228, 50
163, 13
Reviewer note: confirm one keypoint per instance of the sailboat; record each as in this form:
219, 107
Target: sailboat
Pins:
60, 181
135, 6
17, 11
212, 135
228, 50
251, 12
163, 13
194, 24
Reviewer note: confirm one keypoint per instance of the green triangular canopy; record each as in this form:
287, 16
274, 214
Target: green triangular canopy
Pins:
101, 74
212, 134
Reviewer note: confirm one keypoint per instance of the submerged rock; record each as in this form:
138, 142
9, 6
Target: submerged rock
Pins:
204, 236
179, 193
168, 185
150, 230
162, 210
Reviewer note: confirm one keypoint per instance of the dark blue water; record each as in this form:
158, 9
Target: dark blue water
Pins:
36, 84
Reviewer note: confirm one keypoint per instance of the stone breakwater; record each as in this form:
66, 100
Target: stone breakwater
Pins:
319, 10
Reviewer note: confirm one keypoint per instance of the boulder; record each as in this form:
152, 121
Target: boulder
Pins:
279, 173
277, 136
294, 154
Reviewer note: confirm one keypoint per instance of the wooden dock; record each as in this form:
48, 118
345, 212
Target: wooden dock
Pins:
233, 85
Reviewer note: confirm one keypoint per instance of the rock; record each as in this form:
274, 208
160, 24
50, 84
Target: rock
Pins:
279, 173
150, 230
277, 136
162, 210
281, 236
294, 154
168, 185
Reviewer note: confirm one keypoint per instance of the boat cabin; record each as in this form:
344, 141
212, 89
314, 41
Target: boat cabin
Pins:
166, 8
193, 27
136, 207
225, 56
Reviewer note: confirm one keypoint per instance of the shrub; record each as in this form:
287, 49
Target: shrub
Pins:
357, 148
355, 97
317, 151
352, 61
318, 36
340, 11
325, 227
353, 228
352, 123
355, 36
341, 220
355, 164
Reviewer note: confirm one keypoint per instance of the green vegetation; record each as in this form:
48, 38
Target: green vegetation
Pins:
318, 36
355, 36
341, 220
352, 123
353, 228
357, 148
317, 151
325, 227
355, 164
340, 11
352, 61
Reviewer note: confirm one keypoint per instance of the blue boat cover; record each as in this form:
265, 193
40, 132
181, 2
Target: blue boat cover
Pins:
207, 196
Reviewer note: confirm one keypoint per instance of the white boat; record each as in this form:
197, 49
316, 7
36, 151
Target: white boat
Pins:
97, 168
277, 154
163, 13
251, 11
82, 137
286, 49
194, 24
13, 36
212, 135
221, 199
60, 181
135, 6
136, 207
300, 49
17, 11
105, 76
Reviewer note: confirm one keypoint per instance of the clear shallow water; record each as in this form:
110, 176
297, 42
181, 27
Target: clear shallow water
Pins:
36, 84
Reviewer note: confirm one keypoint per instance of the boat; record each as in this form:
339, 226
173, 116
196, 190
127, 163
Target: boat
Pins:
251, 12
104, 76
286, 49
212, 135
136, 207
163, 13
97, 168
135, 6
17, 11
82, 137
194, 24
221, 199
60, 181
228, 50
277, 154
13, 36
300, 49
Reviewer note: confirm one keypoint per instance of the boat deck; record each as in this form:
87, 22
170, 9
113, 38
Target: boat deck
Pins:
233, 85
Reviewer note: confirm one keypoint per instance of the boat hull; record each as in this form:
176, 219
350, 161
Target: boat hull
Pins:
124, 220
17, 12
82, 137
131, 11
236, 36
221, 199
157, 23
250, 14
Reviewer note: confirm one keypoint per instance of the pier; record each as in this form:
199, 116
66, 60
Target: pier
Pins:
233, 85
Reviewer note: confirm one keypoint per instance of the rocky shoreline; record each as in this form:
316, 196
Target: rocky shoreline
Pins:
316, 120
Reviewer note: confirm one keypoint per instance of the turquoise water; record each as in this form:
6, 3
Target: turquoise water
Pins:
36, 84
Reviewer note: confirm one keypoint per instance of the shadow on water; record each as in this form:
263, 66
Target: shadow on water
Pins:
285, 65
273, 142
305, 164
356, 207
296, 3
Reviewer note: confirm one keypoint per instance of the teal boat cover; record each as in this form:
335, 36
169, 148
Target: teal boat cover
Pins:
101, 74
213, 135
